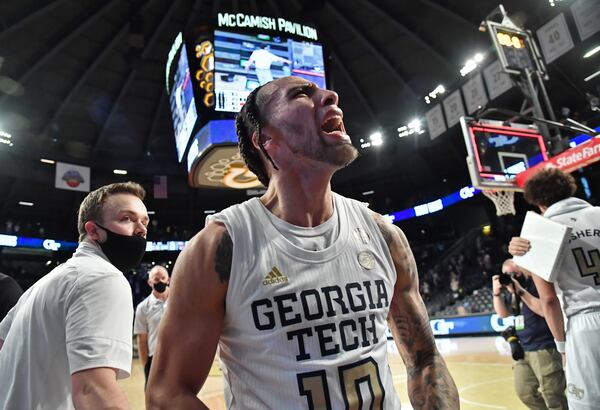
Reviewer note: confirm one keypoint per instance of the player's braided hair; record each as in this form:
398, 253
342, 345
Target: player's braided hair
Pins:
247, 122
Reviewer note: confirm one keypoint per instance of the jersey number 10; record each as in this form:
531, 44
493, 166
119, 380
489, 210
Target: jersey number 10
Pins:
314, 386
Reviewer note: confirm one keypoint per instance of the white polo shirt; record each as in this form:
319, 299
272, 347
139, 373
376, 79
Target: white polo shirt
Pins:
77, 317
147, 318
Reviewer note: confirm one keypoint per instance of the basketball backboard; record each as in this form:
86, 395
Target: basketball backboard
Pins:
498, 151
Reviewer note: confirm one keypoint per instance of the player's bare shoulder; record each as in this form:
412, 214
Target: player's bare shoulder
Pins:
212, 248
224, 252
399, 247
391, 233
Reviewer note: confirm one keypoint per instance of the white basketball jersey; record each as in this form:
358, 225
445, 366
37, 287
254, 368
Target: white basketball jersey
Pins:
305, 329
578, 280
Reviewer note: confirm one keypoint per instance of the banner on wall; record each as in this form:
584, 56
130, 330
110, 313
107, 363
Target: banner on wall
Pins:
453, 108
435, 121
72, 177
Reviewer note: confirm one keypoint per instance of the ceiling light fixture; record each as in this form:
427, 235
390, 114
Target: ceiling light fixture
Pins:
25, 203
376, 139
472, 64
592, 52
413, 127
588, 78
6, 138
120, 171
48, 161
435, 93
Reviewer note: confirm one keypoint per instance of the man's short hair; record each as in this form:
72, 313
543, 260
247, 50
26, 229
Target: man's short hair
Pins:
156, 268
248, 121
93, 204
549, 186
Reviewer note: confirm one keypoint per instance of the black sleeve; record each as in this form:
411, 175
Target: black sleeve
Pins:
10, 292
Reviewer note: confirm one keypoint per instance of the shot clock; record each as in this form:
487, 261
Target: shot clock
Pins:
516, 49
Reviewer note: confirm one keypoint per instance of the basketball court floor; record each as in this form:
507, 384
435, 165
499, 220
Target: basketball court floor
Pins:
481, 367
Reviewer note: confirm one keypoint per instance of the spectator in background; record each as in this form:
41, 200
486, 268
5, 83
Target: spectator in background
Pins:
577, 283
8, 226
425, 291
10, 292
539, 377
148, 314
68, 339
454, 285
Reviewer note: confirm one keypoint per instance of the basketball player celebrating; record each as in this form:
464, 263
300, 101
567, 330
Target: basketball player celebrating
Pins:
577, 283
296, 287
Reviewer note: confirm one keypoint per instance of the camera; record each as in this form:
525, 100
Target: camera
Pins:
506, 278
510, 335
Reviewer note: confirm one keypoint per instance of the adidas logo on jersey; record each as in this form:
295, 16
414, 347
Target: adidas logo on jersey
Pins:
274, 277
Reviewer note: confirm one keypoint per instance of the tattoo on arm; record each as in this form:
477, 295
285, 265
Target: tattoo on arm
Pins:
430, 385
223, 257
399, 247
385, 230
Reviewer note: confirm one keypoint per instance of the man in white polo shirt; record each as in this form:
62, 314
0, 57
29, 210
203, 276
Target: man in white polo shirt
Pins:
148, 314
68, 339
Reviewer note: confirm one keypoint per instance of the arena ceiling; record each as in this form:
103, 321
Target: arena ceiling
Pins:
82, 81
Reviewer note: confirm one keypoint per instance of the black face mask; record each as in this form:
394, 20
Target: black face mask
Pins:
123, 251
160, 287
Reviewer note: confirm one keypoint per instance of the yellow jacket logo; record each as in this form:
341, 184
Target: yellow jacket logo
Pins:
274, 277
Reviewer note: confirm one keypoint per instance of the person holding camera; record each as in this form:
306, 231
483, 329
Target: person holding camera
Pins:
538, 372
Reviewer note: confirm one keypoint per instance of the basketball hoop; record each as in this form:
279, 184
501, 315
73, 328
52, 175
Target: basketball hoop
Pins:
503, 200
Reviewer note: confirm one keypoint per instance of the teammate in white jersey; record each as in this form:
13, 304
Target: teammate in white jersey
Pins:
296, 287
577, 283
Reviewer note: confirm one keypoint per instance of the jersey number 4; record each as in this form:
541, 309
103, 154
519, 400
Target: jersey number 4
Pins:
314, 386
585, 268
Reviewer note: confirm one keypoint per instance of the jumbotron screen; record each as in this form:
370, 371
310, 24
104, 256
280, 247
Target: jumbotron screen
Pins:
183, 105
245, 61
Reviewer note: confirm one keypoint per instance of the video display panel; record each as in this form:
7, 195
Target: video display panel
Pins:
183, 105
245, 61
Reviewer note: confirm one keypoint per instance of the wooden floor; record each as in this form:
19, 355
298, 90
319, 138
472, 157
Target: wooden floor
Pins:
481, 368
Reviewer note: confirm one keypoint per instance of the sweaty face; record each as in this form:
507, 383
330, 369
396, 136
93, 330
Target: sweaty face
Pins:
308, 121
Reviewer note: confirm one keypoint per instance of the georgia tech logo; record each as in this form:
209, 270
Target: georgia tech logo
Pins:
441, 326
232, 173
467, 192
275, 277
499, 324
51, 245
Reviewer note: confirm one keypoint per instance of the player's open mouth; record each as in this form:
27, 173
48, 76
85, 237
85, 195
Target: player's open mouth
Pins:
333, 127
332, 124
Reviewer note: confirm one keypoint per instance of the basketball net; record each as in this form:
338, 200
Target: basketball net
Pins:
503, 200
